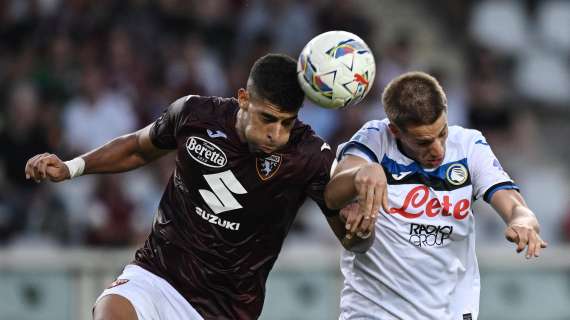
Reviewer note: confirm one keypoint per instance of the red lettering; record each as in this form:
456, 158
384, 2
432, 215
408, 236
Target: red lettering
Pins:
433, 204
461, 209
412, 198
418, 198
446, 206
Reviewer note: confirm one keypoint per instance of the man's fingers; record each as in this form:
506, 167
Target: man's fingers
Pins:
385, 200
377, 203
353, 224
28, 168
511, 235
540, 245
351, 219
366, 212
31, 164
42, 167
345, 212
358, 219
35, 168
532, 245
369, 202
523, 241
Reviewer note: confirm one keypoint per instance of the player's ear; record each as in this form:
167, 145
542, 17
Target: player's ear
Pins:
243, 99
394, 129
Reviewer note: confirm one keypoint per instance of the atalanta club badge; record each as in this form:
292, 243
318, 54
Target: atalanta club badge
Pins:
456, 174
117, 282
268, 166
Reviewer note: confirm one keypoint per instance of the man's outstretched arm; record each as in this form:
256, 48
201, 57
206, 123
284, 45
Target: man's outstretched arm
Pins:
121, 154
522, 226
356, 179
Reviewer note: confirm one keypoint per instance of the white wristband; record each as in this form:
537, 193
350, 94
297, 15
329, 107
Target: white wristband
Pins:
75, 166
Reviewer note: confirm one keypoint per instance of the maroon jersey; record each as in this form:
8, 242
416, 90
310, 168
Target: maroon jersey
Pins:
226, 211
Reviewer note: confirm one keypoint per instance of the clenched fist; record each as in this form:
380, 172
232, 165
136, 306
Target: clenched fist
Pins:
46, 166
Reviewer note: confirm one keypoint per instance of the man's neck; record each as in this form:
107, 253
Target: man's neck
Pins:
403, 150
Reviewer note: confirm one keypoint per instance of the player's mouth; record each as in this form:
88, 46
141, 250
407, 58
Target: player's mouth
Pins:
265, 149
435, 162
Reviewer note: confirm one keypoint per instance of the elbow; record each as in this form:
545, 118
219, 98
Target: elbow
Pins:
358, 249
359, 246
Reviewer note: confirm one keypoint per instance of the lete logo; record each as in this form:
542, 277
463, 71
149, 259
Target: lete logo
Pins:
206, 152
418, 198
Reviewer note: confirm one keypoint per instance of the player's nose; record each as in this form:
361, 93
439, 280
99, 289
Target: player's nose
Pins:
274, 132
437, 149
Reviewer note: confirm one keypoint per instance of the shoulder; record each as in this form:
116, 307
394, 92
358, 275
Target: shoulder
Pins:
466, 142
306, 140
309, 147
373, 138
372, 130
464, 136
203, 106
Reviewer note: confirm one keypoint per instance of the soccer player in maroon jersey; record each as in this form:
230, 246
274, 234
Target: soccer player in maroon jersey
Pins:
243, 168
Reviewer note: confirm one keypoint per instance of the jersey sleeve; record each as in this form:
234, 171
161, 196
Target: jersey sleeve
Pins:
487, 173
163, 130
369, 142
358, 152
316, 189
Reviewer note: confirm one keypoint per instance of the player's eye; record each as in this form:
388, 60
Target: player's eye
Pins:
267, 119
424, 143
288, 123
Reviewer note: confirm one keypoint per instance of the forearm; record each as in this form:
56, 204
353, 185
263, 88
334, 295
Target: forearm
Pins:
341, 189
118, 155
511, 206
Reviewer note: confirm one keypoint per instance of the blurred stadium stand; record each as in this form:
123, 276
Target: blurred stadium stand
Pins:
74, 73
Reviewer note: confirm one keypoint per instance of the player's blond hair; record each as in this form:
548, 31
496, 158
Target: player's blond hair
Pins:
414, 98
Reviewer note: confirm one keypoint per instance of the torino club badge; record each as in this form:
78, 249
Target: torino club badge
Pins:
268, 166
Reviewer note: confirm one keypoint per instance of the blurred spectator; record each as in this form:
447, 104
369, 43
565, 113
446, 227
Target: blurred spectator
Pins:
291, 24
96, 116
23, 136
396, 60
110, 214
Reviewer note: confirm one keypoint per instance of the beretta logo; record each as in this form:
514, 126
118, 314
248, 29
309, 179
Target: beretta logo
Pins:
206, 152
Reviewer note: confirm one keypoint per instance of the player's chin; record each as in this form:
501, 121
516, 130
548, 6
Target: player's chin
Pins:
433, 163
258, 151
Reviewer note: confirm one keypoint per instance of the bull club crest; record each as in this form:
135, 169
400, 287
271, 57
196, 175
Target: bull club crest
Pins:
268, 166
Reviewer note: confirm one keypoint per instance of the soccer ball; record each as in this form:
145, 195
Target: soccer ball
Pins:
336, 69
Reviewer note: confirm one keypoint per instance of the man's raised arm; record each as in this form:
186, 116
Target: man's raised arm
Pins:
121, 154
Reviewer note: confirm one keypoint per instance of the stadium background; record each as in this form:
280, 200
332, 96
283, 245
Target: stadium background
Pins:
76, 73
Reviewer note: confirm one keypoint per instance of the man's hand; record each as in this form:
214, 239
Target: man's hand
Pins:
370, 184
46, 166
366, 226
524, 234
522, 226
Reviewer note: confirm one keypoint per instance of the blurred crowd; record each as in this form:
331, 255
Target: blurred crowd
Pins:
77, 73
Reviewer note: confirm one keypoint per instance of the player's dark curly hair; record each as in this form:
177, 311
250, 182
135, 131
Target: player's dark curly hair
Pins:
414, 98
274, 77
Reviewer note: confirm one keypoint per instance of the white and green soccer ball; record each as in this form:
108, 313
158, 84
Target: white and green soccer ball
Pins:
336, 69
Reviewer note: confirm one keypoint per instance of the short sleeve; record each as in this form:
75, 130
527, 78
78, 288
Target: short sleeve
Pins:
488, 176
368, 142
316, 188
163, 130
